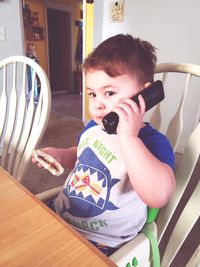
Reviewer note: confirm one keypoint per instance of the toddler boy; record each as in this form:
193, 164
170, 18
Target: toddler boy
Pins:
116, 176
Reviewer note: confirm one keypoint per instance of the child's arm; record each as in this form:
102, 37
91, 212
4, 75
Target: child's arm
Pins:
65, 156
152, 179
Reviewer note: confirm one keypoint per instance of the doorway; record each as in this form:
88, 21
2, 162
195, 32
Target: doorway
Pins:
60, 50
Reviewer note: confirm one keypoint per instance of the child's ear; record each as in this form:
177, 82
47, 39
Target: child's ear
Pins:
147, 84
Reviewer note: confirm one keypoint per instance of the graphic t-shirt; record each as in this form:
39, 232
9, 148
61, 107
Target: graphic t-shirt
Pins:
98, 198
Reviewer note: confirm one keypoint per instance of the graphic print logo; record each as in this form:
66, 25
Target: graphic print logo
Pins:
82, 183
88, 189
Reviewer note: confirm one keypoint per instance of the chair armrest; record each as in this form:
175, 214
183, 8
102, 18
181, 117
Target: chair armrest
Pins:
49, 194
138, 249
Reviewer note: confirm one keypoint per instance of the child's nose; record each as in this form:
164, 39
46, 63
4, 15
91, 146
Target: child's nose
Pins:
99, 104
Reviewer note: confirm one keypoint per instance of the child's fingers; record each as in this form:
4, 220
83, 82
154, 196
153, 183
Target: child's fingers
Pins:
129, 106
35, 162
33, 159
123, 109
48, 162
39, 165
121, 113
142, 104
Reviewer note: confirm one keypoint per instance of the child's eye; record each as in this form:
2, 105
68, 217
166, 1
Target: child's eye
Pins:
92, 95
109, 93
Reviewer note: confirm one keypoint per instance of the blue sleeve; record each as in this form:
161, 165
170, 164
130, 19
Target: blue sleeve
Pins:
89, 125
158, 144
163, 151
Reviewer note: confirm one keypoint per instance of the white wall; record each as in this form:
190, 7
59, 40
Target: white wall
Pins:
171, 26
10, 18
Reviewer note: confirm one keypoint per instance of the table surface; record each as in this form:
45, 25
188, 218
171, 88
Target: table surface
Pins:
33, 235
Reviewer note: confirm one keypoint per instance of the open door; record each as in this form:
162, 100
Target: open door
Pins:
60, 51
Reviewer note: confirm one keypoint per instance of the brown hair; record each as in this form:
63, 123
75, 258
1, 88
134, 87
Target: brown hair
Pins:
123, 54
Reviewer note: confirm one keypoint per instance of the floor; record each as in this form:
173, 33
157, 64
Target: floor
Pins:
67, 104
71, 105
63, 130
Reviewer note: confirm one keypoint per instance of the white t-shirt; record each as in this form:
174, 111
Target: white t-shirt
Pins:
98, 198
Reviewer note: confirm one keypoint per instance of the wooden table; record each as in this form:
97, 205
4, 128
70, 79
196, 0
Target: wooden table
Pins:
33, 235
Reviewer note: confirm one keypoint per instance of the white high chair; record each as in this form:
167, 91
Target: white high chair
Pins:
143, 250
140, 249
25, 103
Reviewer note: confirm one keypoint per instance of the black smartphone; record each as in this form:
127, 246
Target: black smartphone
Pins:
152, 96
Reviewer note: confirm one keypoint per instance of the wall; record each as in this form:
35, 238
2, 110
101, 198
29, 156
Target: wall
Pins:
11, 19
172, 27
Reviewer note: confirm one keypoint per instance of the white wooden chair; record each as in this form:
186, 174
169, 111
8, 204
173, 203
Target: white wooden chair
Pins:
182, 76
138, 252
140, 248
25, 103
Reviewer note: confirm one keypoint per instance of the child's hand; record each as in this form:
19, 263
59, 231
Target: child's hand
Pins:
48, 162
54, 152
130, 117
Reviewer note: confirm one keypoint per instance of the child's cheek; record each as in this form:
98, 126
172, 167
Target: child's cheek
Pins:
91, 109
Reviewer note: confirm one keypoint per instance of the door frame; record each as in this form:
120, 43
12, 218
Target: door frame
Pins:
65, 8
88, 34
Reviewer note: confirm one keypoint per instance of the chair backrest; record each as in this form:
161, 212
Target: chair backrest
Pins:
25, 103
182, 71
191, 212
172, 73
184, 170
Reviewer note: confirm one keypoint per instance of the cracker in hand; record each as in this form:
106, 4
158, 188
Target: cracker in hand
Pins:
48, 162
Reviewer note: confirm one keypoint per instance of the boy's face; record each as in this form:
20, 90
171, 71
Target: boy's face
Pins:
105, 92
